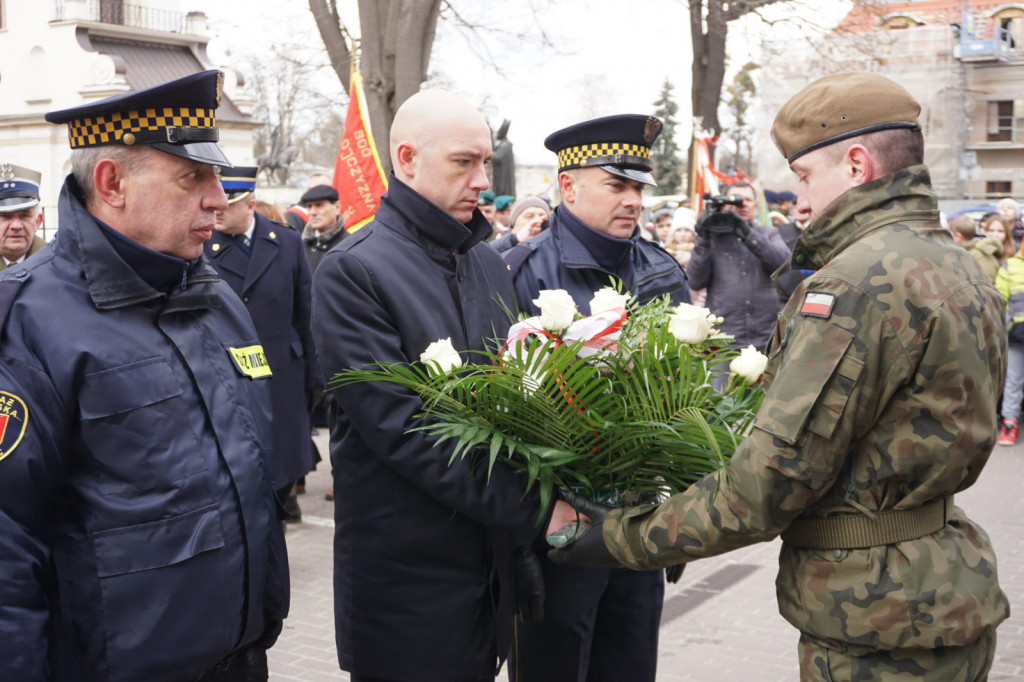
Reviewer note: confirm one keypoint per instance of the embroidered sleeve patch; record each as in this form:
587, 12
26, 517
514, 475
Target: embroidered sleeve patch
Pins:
250, 361
13, 420
817, 304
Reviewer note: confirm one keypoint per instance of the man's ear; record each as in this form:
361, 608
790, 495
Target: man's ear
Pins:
109, 180
567, 187
405, 155
860, 165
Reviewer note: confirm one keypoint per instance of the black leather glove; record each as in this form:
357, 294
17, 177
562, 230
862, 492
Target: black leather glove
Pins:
529, 582
703, 228
674, 573
314, 396
742, 229
586, 546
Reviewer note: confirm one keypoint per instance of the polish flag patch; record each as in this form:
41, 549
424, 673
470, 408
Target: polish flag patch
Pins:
817, 304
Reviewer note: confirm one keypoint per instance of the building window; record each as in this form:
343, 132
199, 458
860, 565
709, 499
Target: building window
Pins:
998, 189
1010, 24
1000, 121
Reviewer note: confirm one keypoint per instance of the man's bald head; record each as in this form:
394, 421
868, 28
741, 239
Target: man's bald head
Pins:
429, 115
440, 147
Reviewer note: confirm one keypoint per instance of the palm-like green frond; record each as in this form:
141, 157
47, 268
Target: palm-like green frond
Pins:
644, 418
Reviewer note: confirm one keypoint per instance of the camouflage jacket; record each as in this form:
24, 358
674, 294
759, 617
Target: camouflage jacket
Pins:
881, 390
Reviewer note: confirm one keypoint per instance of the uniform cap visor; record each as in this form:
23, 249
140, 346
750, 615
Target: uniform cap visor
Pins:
201, 152
631, 174
8, 204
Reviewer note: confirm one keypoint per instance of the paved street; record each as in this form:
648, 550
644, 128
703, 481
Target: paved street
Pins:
720, 621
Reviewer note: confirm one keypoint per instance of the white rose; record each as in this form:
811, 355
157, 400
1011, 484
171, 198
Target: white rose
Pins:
690, 323
557, 309
442, 356
607, 299
749, 364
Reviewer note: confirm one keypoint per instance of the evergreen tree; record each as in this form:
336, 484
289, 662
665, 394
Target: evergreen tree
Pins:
665, 153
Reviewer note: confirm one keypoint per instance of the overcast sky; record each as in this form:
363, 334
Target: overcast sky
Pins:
578, 59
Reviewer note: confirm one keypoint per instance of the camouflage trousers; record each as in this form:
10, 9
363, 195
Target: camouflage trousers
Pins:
971, 663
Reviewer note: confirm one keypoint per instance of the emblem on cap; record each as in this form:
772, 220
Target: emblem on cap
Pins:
651, 129
220, 86
6, 172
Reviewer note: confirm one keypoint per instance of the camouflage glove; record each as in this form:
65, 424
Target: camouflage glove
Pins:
584, 544
529, 582
674, 573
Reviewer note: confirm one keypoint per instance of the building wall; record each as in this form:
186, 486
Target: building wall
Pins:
926, 59
49, 68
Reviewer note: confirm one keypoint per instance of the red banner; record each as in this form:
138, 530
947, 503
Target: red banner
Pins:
358, 174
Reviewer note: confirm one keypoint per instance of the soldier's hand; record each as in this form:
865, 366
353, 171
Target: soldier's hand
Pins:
584, 543
674, 573
529, 582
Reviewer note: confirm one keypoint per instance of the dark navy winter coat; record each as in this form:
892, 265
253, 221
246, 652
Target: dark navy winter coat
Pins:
274, 283
139, 538
556, 259
418, 543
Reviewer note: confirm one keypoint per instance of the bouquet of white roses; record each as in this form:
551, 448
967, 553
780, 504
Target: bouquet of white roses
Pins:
617, 406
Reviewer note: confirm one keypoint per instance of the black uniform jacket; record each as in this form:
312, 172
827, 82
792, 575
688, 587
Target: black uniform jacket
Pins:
418, 542
139, 537
274, 283
556, 259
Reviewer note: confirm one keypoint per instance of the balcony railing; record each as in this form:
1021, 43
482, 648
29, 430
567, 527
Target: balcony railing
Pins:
120, 13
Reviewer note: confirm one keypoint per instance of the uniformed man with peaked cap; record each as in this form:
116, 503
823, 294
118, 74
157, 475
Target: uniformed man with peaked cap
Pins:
141, 538
880, 396
597, 625
19, 214
268, 269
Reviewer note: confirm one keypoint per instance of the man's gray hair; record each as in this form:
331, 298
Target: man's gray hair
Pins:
84, 160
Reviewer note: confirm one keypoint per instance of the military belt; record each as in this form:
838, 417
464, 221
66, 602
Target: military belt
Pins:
859, 531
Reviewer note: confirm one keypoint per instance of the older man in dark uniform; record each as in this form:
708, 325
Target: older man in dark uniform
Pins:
598, 625
267, 267
140, 537
19, 214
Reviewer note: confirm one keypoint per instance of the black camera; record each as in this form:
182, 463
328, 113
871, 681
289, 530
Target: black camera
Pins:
715, 219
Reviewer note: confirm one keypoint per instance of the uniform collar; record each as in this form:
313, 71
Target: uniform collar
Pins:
113, 264
903, 196
430, 221
583, 245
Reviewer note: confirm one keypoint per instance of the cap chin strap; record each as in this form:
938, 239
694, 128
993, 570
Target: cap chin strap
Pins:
172, 135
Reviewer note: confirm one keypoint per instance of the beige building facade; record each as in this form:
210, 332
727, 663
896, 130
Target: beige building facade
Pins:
962, 59
64, 53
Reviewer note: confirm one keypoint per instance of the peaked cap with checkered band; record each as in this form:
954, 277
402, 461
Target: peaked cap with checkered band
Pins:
178, 117
619, 144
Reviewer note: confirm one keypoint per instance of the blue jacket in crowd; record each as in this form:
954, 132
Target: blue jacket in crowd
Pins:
139, 537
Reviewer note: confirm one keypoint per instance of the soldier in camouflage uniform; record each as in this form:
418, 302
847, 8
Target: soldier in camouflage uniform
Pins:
880, 405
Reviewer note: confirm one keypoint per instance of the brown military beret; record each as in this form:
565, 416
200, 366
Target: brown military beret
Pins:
841, 106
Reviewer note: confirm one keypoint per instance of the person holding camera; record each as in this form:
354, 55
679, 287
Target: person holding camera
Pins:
734, 258
529, 218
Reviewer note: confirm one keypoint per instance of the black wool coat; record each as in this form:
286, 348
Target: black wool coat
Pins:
421, 546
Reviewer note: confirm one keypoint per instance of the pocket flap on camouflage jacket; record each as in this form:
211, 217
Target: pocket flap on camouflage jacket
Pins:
812, 374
